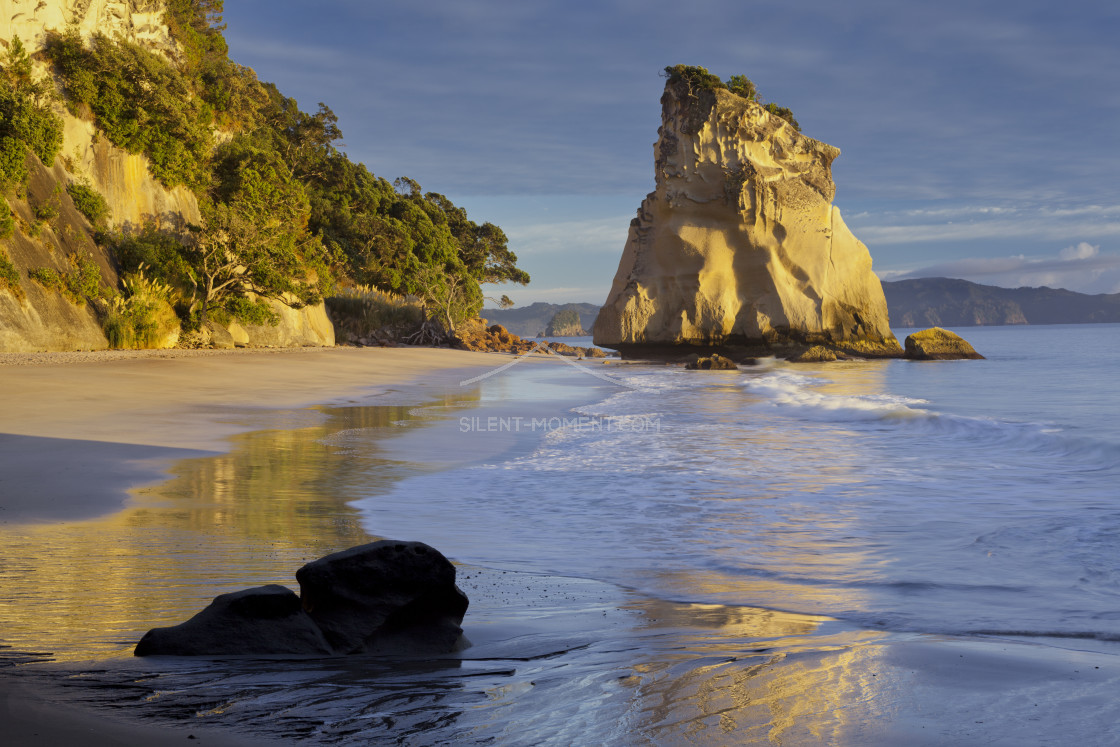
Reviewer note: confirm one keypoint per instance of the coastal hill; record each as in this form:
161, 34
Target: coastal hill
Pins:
533, 320
739, 244
157, 193
947, 302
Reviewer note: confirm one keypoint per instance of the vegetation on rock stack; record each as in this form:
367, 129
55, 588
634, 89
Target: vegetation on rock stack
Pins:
565, 323
695, 80
286, 215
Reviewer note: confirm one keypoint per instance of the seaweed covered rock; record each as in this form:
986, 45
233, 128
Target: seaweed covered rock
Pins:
259, 621
937, 344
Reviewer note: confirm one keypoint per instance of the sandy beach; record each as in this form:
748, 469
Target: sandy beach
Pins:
135, 488
79, 430
76, 428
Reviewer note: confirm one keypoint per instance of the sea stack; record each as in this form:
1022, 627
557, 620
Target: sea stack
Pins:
739, 245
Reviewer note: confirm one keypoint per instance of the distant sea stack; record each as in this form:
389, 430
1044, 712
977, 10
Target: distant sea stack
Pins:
565, 323
739, 245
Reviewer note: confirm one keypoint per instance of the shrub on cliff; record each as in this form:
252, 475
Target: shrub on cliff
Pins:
9, 275
141, 315
784, 113
695, 77
89, 202
141, 102
26, 119
694, 80
741, 85
80, 282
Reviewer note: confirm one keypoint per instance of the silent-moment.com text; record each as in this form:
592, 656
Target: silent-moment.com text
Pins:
514, 424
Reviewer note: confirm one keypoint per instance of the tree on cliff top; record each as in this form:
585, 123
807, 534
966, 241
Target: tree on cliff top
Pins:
284, 210
695, 79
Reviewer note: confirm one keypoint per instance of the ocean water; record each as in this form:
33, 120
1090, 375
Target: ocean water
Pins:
854, 553
955, 498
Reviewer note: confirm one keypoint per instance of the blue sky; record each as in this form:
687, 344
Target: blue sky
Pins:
979, 139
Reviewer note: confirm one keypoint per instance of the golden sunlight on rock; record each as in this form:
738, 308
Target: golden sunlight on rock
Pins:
739, 244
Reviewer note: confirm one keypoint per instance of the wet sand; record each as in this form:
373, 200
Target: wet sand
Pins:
77, 430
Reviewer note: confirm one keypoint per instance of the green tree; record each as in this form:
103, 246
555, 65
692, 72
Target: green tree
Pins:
694, 77
784, 113
26, 119
741, 85
254, 238
141, 102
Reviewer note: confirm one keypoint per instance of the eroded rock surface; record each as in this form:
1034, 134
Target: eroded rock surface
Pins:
739, 244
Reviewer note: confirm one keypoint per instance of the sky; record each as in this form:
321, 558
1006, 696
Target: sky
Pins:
980, 139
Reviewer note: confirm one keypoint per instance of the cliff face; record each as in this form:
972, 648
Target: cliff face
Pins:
43, 320
138, 21
739, 244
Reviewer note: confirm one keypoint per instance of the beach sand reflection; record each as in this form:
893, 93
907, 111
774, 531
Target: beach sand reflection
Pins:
89, 589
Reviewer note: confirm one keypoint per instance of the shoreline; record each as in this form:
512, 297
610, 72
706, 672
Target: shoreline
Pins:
73, 437
80, 430
552, 655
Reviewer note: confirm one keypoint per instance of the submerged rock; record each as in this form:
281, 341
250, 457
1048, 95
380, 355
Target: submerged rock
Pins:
388, 597
263, 620
937, 344
739, 244
385, 597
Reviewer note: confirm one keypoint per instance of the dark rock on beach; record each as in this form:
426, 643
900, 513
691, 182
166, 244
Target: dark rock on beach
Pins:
936, 344
262, 620
387, 597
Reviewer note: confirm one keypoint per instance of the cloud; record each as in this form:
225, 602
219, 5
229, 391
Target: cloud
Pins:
975, 223
596, 293
1084, 250
605, 235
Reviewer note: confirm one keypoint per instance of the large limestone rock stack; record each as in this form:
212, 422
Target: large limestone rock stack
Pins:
739, 244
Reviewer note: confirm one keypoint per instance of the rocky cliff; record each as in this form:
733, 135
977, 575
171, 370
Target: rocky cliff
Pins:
138, 21
38, 319
565, 323
739, 244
